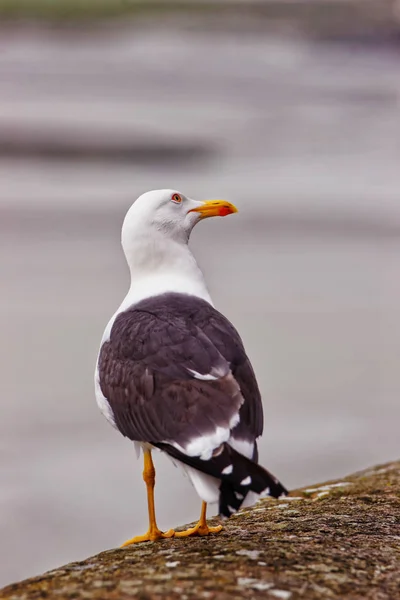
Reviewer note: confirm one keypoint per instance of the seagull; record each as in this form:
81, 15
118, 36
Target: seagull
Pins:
172, 372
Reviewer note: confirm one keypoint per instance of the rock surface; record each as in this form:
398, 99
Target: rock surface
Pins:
340, 539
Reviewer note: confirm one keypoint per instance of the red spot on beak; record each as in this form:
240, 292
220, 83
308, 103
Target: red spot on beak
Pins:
224, 211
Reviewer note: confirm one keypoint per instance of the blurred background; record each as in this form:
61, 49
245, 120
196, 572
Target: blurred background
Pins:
289, 109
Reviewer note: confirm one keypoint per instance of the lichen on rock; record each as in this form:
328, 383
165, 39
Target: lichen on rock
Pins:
336, 540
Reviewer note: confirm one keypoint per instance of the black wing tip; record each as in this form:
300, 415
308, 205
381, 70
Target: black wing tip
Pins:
255, 478
231, 501
238, 475
277, 490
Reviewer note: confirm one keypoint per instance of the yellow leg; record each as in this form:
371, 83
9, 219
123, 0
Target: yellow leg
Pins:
201, 528
153, 534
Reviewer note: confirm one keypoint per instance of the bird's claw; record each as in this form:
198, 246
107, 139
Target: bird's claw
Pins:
199, 529
151, 536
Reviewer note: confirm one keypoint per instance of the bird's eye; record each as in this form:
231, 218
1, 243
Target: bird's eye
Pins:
176, 198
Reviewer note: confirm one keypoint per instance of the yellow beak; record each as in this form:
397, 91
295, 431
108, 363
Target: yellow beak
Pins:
215, 208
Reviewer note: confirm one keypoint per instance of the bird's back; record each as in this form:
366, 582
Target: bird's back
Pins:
176, 347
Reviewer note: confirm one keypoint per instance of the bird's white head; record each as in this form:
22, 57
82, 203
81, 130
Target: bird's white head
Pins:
170, 214
155, 234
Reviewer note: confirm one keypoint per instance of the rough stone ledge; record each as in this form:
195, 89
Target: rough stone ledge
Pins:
340, 539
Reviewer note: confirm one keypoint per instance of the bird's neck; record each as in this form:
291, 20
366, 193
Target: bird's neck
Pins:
159, 265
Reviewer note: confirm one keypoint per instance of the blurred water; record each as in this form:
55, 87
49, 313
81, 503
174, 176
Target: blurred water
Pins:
304, 139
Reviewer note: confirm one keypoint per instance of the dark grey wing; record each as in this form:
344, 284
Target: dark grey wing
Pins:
228, 341
166, 381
